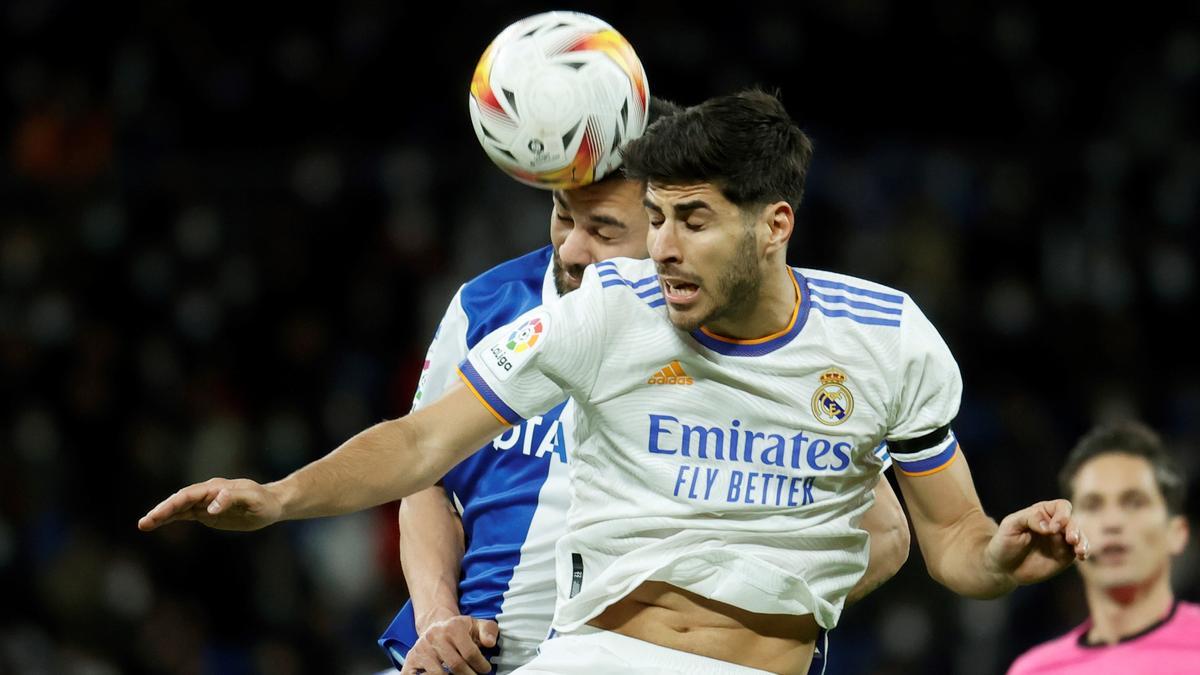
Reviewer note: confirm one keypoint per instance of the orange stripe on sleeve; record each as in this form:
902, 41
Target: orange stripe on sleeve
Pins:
957, 452
479, 396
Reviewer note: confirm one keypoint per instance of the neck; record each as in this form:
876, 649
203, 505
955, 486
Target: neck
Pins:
770, 314
1124, 611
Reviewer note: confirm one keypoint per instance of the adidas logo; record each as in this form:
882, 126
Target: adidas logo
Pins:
672, 374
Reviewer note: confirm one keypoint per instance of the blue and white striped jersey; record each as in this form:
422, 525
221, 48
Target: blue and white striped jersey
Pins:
512, 493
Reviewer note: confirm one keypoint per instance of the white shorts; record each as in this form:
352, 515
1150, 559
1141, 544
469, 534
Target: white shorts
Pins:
591, 650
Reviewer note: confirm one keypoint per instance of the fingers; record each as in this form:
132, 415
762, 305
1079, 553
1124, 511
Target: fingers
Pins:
1036, 519
185, 504
1063, 520
459, 646
1045, 518
221, 503
1051, 519
452, 645
1059, 512
229, 496
421, 659
1076, 539
488, 632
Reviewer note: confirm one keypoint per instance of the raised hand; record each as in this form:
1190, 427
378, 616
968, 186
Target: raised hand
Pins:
1036, 542
220, 503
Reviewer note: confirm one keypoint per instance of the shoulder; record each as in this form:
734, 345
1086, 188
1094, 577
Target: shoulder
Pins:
628, 269
859, 300
1042, 656
627, 279
525, 273
504, 292
1039, 658
1187, 613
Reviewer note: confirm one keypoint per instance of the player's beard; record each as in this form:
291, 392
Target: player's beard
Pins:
737, 289
562, 282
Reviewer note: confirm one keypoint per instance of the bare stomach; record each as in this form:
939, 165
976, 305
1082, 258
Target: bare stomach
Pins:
671, 617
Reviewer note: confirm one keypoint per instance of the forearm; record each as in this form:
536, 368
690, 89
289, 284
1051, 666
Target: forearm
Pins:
390, 460
380, 464
431, 550
956, 556
953, 531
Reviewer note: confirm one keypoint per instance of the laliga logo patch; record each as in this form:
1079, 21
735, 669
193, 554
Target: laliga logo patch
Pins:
832, 403
526, 336
507, 354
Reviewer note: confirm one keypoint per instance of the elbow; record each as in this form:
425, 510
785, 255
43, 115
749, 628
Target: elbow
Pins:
937, 571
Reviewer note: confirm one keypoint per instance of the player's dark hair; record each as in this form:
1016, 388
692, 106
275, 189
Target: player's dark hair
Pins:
745, 144
661, 108
658, 109
1129, 438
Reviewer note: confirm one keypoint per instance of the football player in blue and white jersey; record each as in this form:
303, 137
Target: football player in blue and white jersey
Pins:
729, 411
478, 551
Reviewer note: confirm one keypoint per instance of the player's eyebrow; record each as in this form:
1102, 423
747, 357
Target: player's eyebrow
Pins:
1133, 492
597, 218
602, 219
682, 209
694, 205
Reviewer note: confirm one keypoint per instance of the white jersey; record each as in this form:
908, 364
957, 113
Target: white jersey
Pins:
738, 470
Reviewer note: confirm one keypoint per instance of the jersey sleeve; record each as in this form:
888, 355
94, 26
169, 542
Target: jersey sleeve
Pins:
920, 440
545, 355
446, 351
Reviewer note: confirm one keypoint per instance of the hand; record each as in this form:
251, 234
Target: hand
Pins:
219, 503
1036, 543
452, 645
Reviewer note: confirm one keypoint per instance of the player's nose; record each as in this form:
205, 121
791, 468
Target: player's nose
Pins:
664, 245
575, 251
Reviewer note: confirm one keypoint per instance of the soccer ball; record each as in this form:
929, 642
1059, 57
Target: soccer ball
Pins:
555, 96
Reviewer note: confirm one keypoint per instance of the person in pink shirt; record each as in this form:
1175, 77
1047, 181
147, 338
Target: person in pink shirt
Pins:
1128, 494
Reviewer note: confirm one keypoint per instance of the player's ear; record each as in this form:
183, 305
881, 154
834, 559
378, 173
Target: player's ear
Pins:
780, 220
1177, 534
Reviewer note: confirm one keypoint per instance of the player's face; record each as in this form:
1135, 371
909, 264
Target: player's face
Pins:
595, 223
1121, 510
706, 253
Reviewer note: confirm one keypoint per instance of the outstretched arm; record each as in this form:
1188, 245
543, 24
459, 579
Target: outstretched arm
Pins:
388, 461
889, 543
431, 549
970, 554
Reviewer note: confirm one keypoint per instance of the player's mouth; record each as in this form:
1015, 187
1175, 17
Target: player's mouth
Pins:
680, 292
1112, 554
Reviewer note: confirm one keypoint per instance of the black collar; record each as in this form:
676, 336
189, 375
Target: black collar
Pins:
1083, 639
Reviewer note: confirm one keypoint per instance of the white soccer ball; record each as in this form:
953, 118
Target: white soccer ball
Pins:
555, 96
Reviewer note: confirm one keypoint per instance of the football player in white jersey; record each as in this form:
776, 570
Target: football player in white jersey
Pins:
478, 551
729, 410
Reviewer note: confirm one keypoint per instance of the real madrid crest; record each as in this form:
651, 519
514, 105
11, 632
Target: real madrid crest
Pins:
832, 403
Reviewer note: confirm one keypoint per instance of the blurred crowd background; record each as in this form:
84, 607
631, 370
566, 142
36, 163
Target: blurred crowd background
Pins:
227, 232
